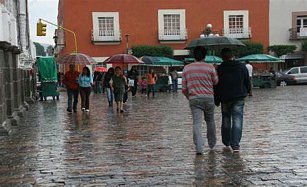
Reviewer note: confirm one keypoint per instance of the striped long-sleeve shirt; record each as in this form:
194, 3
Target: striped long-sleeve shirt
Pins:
198, 80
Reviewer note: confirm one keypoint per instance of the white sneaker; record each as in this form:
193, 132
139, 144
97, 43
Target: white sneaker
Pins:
83, 109
87, 110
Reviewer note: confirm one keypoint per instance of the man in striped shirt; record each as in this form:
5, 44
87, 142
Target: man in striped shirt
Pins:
198, 79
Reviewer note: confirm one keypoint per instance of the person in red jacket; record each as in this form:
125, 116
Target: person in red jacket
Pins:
70, 80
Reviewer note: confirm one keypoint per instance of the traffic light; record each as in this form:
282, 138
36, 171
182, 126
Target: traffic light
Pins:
41, 29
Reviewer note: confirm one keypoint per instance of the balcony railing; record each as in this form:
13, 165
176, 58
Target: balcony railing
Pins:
106, 36
294, 35
238, 32
173, 35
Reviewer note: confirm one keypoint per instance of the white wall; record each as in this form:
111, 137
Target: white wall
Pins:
8, 26
281, 20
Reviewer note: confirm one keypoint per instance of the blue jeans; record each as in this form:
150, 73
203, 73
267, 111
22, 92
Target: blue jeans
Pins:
232, 123
203, 107
72, 94
110, 95
151, 88
175, 85
97, 87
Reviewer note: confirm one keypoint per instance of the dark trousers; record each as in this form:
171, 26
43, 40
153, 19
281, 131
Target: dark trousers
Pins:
85, 97
151, 88
134, 88
72, 94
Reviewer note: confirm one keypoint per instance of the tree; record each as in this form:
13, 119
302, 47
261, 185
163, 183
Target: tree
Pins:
280, 50
304, 46
50, 50
249, 49
40, 50
144, 50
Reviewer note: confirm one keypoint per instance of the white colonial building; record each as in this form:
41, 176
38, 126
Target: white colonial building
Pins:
16, 58
14, 29
288, 22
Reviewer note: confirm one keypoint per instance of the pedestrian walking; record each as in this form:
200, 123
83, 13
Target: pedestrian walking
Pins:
250, 73
98, 82
151, 82
117, 84
231, 90
198, 79
133, 76
174, 76
85, 81
106, 84
70, 80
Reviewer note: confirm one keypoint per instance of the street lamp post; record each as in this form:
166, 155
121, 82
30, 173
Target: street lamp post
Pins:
127, 42
208, 31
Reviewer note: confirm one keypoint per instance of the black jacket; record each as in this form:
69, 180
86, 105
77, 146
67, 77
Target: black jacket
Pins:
233, 82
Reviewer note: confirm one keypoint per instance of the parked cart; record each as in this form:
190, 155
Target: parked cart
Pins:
47, 75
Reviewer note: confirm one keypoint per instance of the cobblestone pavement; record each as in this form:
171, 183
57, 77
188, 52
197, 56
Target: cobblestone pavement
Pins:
151, 144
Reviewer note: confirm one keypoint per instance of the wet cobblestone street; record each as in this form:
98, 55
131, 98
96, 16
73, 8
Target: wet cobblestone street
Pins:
151, 144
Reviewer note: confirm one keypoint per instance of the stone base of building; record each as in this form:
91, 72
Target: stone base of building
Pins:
11, 124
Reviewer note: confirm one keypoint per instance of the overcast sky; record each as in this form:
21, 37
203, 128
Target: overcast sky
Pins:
45, 9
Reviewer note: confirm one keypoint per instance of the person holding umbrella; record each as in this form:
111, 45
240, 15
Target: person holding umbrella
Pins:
117, 84
85, 81
70, 80
198, 79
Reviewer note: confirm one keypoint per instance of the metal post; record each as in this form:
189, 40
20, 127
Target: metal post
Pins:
127, 42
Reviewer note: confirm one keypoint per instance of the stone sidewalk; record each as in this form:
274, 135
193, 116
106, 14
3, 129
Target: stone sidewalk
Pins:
151, 144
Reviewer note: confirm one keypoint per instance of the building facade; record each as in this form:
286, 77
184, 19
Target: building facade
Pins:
104, 27
288, 26
15, 58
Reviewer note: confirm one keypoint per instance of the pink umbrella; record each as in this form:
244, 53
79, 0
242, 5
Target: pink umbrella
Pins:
76, 58
101, 69
122, 59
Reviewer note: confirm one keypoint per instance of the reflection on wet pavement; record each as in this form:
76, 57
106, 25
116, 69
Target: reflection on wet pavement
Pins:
151, 144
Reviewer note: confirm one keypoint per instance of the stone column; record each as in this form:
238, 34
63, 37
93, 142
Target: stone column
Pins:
3, 115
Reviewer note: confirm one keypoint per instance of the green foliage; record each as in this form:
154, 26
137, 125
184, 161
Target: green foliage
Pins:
143, 50
304, 46
40, 50
280, 50
249, 49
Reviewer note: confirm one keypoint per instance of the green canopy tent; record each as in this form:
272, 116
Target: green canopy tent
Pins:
209, 59
160, 61
260, 58
267, 60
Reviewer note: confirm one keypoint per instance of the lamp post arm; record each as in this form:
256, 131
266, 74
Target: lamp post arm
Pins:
68, 30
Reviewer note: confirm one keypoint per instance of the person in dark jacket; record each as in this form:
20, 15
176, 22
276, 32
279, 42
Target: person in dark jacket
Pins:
106, 84
233, 87
134, 75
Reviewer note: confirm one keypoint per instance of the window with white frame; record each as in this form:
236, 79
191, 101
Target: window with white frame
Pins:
106, 27
236, 24
301, 25
172, 24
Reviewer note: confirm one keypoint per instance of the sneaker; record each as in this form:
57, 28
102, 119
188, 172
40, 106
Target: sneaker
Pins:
83, 109
69, 110
87, 110
121, 111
